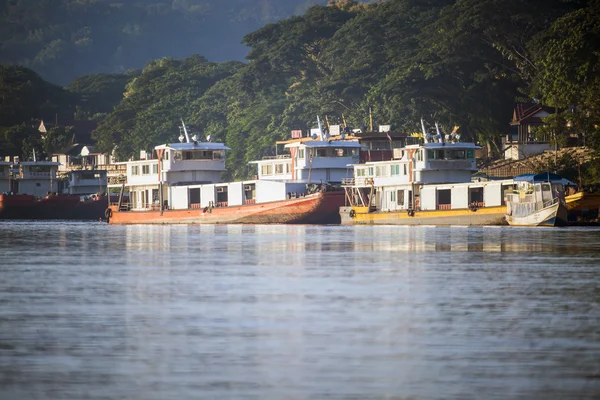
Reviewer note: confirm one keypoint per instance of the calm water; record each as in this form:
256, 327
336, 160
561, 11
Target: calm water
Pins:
89, 311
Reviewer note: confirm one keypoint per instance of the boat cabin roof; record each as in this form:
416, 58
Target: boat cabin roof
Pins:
41, 163
445, 145
542, 177
193, 146
328, 143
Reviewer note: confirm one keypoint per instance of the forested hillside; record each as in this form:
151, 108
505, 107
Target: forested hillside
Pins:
458, 62
63, 39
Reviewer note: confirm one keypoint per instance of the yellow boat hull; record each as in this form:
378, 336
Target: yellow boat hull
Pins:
480, 217
583, 201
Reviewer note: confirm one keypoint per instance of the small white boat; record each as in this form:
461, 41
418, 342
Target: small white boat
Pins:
538, 200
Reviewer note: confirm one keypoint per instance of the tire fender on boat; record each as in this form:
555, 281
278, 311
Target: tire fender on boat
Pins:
108, 213
411, 213
352, 213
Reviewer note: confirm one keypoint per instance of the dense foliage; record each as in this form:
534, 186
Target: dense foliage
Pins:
63, 39
462, 62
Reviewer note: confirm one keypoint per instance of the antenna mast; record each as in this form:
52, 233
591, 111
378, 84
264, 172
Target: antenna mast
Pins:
187, 137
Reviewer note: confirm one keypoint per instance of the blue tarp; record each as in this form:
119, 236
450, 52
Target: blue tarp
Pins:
542, 177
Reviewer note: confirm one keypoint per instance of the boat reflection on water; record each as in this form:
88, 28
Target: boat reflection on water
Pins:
265, 243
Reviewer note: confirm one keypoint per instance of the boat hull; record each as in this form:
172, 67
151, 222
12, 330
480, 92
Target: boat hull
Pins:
553, 215
16, 206
69, 207
583, 201
479, 217
319, 208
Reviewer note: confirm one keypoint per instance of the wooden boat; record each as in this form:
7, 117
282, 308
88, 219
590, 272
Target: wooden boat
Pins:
537, 201
424, 184
581, 201
181, 185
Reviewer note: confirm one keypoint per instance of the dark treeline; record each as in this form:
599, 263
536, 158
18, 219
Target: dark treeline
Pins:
458, 62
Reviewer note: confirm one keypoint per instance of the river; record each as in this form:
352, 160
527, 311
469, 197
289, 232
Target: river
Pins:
91, 311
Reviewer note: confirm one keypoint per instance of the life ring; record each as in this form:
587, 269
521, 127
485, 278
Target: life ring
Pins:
411, 213
352, 213
108, 213
473, 207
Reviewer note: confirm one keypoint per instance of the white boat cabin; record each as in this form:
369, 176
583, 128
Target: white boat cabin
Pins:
175, 164
313, 161
429, 176
37, 178
84, 182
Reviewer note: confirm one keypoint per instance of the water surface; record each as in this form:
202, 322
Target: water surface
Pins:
90, 311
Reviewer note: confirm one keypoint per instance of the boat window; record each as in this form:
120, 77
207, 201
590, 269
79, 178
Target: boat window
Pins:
135, 170
470, 153
267, 169
431, 154
155, 168
370, 171
393, 196
278, 168
287, 168
400, 197
145, 169
378, 171
420, 155
40, 168
166, 155
395, 169
321, 152
546, 187
405, 169
457, 154
300, 153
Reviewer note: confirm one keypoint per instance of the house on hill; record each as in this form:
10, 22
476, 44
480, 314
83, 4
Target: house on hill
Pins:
522, 140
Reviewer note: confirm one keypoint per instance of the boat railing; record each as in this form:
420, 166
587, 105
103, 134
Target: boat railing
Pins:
279, 157
250, 201
348, 181
444, 206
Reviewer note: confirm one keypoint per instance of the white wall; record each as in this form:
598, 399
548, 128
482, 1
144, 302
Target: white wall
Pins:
459, 197
442, 176
30, 186
520, 151
178, 197
235, 194
192, 176
428, 198
492, 194
207, 194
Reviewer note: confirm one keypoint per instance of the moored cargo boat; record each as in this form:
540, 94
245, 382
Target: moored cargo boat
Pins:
424, 184
182, 185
